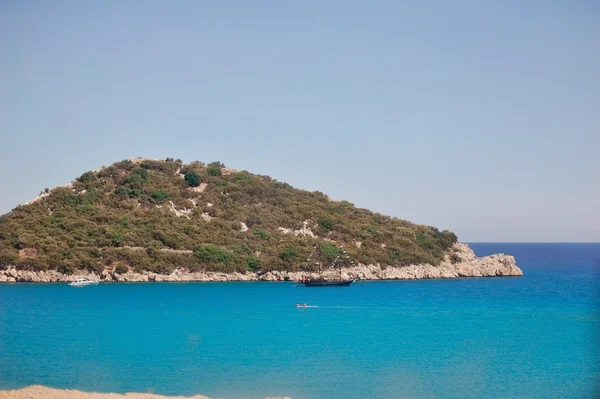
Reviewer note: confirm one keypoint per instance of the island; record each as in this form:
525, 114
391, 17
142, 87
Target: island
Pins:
149, 220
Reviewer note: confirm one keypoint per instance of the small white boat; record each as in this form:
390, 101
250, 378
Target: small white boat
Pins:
81, 282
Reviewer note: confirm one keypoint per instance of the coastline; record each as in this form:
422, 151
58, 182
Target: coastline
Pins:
42, 392
497, 265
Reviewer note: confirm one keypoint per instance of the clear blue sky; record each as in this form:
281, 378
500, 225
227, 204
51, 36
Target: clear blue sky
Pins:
478, 117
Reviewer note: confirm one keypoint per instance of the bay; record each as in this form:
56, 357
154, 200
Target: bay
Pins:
535, 336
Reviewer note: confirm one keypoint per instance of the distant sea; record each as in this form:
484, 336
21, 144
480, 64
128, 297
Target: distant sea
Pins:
536, 336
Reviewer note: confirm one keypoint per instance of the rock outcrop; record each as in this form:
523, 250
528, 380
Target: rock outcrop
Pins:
461, 262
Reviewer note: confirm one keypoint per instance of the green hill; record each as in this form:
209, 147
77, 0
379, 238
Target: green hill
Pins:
159, 215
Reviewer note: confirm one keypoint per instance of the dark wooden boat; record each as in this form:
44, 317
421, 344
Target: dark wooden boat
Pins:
322, 283
322, 280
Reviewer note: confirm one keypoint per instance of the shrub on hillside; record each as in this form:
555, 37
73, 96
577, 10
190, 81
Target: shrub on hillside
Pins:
8, 257
288, 255
66, 268
159, 195
212, 254
252, 219
121, 192
326, 223
134, 193
243, 177
31, 264
121, 269
153, 165
253, 263
117, 239
263, 235
143, 173
455, 258
87, 177
192, 179
446, 238
135, 180
125, 164
213, 171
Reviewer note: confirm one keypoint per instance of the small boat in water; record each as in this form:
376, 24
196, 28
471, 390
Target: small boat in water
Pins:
82, 282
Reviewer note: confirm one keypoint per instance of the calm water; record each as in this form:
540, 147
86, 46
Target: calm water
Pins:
532, 337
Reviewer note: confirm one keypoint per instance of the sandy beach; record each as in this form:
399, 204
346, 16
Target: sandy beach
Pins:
41, 392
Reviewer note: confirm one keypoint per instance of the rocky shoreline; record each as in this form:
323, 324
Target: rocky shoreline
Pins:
461, 262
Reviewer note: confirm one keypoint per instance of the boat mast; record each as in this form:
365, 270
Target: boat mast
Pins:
319, 257
342, 255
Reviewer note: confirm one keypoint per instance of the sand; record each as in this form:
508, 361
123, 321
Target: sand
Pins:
40, 392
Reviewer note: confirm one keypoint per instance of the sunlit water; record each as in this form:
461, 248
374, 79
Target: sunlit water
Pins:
531, 337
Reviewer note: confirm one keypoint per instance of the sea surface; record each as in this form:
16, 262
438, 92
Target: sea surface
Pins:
536, 336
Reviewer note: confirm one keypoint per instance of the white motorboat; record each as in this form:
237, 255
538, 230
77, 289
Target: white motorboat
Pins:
81, 282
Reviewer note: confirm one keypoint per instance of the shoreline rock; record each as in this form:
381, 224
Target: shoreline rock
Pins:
460, 262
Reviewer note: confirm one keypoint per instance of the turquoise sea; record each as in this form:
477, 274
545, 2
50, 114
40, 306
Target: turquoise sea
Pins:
536, 336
